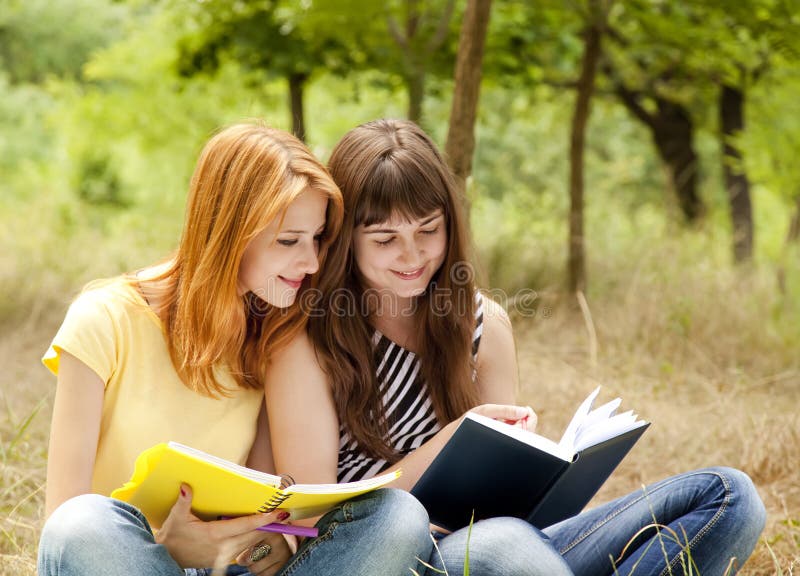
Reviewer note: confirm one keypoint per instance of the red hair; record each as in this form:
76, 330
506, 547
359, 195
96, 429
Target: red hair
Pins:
246, 177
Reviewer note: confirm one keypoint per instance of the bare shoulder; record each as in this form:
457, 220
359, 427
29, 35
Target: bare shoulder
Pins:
495, 317
299, 349
296, 362
497, 357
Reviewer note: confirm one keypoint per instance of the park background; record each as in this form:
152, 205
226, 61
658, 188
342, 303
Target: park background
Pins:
634, 194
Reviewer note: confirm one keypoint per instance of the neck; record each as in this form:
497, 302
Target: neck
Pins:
396, 318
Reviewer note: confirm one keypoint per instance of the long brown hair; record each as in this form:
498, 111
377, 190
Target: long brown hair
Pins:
247, 176
383, 168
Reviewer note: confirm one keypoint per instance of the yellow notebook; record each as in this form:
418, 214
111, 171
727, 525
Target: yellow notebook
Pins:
222, 488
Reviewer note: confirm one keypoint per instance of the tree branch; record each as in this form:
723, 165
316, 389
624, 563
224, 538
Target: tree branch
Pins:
440, 35
394, 31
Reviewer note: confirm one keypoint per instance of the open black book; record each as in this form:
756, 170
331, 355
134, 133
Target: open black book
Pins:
496, 469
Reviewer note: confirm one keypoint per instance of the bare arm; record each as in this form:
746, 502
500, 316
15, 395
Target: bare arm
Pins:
260, 457
305, 428
74, 432
303, 424
497, 378
498, 373
74, 435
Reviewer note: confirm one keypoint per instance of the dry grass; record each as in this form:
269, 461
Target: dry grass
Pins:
719, 388
718, 377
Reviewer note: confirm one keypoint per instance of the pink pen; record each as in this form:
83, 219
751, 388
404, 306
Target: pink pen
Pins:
309, 532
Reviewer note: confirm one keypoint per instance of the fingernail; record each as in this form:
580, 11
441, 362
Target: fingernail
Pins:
283, 516
183, 492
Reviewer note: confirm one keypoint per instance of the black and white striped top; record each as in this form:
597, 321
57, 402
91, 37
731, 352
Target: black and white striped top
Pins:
412, 420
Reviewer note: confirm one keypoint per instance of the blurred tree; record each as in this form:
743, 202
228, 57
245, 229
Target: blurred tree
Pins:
277, 37
425, 32
647, 75
460, 144
670, 64
670, 58
754, 36
596, 18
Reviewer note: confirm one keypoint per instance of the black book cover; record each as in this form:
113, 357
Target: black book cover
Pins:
483, 470
582, 479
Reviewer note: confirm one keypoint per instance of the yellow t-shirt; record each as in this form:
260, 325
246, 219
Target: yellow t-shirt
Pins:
115, 333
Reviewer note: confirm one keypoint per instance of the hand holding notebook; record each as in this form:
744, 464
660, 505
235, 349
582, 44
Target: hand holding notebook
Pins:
223, 488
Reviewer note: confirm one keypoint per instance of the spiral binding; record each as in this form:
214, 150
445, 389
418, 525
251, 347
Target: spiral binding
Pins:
278, 498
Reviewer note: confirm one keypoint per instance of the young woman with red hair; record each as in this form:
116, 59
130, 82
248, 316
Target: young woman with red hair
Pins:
177, 352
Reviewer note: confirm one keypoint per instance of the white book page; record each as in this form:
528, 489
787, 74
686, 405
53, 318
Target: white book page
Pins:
600, 414
567, 442
610, 428
345, 487
529, 438
256, 475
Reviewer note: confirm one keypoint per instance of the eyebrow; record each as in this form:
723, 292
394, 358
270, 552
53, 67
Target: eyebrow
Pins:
320, 229
392, 230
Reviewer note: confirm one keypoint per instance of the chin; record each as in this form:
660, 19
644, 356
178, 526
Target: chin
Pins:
281, 301
411, 292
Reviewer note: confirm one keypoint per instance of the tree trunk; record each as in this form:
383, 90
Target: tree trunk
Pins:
731, 108
673, 134
460, 145
297, 84
416, 51
577, 257
794, 226
416, 92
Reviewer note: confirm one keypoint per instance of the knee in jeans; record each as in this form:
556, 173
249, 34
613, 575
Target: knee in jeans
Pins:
75, 533
744, 496
511, 547
83, 523
408, 516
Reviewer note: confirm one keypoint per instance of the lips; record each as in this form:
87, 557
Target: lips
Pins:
295, 284
410, 275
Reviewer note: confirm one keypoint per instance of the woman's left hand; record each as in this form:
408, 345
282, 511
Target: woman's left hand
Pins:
521, 416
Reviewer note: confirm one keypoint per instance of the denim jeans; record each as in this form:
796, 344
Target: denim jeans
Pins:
381, 533
710, 519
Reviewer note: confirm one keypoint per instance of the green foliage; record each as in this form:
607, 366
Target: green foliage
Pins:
24, 137
40, 38
773, 135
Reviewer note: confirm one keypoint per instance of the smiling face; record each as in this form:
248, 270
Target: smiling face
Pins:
278, 259
401, 256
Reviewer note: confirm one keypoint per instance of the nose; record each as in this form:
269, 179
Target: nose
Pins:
412, 253
309, 260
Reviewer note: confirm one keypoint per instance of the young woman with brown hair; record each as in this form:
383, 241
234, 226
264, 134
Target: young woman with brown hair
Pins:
177, 352
401, 345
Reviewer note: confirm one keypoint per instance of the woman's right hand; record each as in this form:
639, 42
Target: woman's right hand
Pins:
195, 543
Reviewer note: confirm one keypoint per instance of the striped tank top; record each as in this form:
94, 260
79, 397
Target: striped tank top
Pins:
409, 410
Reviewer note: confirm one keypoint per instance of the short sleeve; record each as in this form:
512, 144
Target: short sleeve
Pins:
88, 333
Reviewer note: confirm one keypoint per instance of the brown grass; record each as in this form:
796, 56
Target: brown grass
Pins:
719, 389
718, 377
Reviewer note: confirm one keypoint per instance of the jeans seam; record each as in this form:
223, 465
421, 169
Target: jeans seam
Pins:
710, 524
295, 563
607, 519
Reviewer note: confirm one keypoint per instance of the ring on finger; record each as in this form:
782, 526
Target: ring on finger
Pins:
260, 552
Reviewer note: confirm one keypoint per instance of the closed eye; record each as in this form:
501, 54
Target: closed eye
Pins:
385, 242
433, 230
283, 242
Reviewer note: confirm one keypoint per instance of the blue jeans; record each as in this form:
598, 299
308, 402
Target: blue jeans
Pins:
710, 519
383, 532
